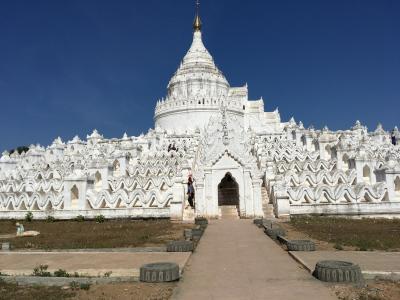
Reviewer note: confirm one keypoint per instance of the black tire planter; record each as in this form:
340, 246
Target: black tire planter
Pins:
159, 272
300, 245
180, 246
203, 227
187, 233
338, 271
5, 246
201, 221
197, 232
274, 232
267, 224
196, 239
258, 222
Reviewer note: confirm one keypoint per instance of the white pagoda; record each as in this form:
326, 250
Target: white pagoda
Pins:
242, 159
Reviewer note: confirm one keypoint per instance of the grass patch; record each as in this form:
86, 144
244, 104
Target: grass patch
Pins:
94, 234
363, 234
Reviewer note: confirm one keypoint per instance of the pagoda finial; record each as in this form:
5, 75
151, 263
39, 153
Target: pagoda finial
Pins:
197, 21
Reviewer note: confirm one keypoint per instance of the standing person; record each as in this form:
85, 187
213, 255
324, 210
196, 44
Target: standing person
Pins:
20, 229
190, 192
394, 142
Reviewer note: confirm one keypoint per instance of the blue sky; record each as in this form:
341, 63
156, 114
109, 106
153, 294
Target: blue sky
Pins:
67, 67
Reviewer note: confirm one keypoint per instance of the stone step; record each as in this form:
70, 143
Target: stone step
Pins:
268, 208
188, 214
268, 211
229, 217
229, 212
228, 209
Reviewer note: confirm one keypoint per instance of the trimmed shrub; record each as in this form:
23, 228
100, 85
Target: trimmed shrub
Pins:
61, 273
84, 286
80, 218
50, 219
29, 216
100, 219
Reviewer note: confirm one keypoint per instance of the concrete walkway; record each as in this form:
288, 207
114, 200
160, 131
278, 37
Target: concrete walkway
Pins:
385, 264
236, 260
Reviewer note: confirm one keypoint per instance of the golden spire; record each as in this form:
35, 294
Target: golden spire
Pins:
197, 21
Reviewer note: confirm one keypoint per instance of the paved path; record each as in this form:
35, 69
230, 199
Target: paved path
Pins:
236, 260
371, 263
90, 263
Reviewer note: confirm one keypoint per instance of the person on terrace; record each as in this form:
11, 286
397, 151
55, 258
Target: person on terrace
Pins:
190, 192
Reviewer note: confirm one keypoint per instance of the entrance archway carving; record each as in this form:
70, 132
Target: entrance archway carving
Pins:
228, 191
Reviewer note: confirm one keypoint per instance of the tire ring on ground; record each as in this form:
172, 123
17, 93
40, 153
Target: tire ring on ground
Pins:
274, 232
258, 222
203, 227
159, 272
338, 271
180, 246
197, 232
300, 245
196, 239
187, 233
267, 224
201, 221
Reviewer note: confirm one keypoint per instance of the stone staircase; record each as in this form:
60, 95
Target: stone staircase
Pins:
268, 208
228, 212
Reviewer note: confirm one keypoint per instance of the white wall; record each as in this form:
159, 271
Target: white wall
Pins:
189, 119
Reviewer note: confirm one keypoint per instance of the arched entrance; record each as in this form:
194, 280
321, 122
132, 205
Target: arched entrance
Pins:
367, 174
97, 181
228, 191
74, 197
397, 187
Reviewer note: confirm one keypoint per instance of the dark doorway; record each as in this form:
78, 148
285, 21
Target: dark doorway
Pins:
228, 191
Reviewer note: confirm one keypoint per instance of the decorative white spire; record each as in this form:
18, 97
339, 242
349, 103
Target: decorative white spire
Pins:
95, 135
197, 21
197, 75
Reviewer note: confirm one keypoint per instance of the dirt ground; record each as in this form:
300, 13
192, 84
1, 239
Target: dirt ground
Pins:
346, 234
120, 291
89, 234
293, 234
13, 291
128, 291
374, 290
